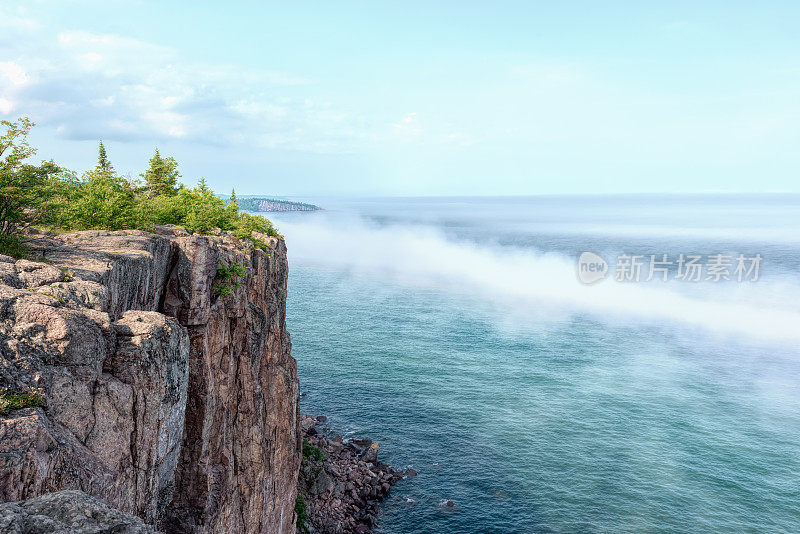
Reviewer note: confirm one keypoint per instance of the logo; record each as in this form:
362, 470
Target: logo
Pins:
591, 268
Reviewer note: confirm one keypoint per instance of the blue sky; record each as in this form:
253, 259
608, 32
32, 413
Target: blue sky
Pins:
416, 98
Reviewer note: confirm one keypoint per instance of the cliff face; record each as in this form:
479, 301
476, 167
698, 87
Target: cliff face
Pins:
164, 396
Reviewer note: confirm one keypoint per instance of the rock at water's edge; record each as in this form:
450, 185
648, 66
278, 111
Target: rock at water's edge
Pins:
343, 490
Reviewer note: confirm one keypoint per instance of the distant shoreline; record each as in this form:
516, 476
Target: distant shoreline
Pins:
272, 204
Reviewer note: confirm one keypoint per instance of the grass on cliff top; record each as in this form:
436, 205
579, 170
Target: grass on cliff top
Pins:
17, 401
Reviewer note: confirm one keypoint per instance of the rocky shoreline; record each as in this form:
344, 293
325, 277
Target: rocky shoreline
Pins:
271, 204
341, 482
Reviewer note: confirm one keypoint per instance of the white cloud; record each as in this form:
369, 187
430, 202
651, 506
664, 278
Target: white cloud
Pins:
6, 106
414, 128
104, 102
409, 124
13, 73
90, 86
15, 21
87, 86
92, 58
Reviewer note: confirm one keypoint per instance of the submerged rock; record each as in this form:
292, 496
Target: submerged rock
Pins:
447, 505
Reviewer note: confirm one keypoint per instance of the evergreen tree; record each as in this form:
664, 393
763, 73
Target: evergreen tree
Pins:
202, 187
101, 199
161, 179
103, 163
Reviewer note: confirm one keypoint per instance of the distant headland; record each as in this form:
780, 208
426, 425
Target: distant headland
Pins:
272, 204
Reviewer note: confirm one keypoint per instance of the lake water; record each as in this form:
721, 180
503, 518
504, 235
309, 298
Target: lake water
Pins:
456, 333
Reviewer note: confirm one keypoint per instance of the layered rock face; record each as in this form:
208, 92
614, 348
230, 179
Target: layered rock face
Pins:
169, 389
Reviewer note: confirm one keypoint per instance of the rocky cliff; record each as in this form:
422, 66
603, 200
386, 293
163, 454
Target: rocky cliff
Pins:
164, 365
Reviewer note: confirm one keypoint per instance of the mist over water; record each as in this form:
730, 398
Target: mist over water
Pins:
537, 279
455, 331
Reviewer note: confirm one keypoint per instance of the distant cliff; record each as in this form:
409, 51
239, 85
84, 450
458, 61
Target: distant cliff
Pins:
271, 204
168, 389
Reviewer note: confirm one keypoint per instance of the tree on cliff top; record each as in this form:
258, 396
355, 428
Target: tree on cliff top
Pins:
23, 187
161, 178
103, 163
53, 197
14, 146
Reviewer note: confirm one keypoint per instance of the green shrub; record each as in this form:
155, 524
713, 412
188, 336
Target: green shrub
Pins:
204, 210
17, 401
310, 452
161, 210
104, 202
301, 510
245, 224
228, 278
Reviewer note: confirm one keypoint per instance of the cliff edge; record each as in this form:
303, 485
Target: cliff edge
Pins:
163, 363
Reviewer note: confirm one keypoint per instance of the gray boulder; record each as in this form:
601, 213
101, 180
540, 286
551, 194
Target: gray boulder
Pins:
67, 512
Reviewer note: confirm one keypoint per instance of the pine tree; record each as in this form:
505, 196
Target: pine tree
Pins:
162, 176
103, 163
233, 196
202, 186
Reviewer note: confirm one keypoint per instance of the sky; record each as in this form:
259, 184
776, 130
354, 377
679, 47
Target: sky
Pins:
416, 98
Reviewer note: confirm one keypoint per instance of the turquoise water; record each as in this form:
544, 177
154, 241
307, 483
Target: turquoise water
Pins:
455, 332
